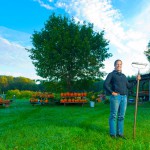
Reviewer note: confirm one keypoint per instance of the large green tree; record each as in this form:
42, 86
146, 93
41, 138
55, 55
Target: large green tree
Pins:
67, 51
147, 53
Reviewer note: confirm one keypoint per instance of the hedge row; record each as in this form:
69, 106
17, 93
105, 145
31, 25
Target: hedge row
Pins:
19, 94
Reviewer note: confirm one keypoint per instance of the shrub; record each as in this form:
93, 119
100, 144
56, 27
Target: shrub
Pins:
106, 101
26, 94
11, 93
19, 94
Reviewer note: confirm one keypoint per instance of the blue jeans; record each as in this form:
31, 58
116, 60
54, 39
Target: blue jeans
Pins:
118, 106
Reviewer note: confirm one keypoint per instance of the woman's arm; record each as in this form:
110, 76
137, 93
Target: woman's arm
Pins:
107, 83
130, 85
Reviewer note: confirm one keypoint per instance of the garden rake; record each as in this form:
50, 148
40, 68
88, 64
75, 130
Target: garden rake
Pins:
139, 66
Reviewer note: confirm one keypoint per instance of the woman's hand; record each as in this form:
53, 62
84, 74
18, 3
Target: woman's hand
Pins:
138, 77
114, 93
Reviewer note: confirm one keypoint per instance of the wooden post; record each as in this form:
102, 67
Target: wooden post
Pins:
136, 106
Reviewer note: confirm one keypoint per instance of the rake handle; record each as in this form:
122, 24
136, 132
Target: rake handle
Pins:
136, 104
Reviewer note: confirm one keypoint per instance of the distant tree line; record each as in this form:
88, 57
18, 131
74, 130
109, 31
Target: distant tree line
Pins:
20, 83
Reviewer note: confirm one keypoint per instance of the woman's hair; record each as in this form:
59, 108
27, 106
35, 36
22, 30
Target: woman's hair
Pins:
117, 61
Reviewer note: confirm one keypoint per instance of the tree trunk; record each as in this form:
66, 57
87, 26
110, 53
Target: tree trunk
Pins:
69, 87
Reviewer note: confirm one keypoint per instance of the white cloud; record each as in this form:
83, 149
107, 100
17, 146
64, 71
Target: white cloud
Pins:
61, 5
18, 37
42, 4
14, 60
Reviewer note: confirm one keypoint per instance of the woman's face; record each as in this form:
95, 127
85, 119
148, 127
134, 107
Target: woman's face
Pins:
118, 66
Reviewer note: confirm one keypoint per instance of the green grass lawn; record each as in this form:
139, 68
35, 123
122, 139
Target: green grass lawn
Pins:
71, 127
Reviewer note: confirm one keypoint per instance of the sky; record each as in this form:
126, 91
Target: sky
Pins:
126, 24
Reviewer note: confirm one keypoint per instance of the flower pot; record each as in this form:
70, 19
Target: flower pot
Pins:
92, 104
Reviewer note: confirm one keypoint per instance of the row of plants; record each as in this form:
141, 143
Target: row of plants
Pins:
27, 94
73, 94
73, 97
35, 100
73, 101
41, 97
62, 97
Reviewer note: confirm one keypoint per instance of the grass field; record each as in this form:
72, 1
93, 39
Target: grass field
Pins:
71, 127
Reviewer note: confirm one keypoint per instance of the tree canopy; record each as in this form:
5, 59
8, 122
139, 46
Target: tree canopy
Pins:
67, 51
147, 53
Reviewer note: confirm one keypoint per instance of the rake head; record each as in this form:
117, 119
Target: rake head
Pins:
139, 65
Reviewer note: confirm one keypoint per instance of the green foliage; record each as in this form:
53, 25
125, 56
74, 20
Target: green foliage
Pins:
19, 94
67, 51
57, 96
11, 93
3, 83
92, 96
106, 100
79, 85
26, 94
147, 53
20, 83
53, 86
